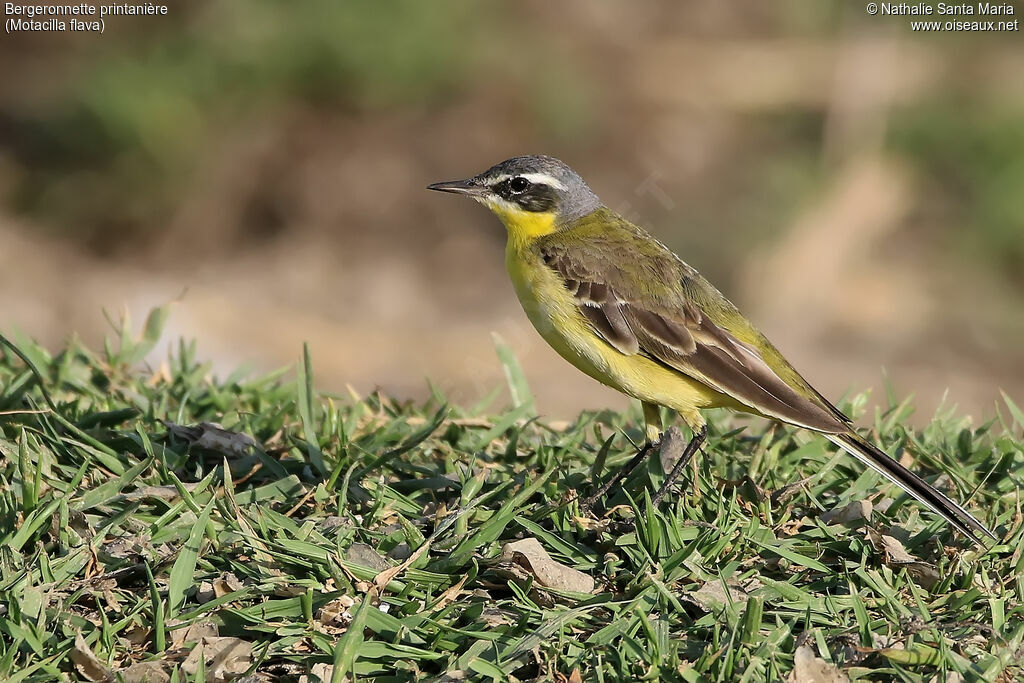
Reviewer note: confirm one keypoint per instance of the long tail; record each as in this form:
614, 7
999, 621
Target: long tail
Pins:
877, 460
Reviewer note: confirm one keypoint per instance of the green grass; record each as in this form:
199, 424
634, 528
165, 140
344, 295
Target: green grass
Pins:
118, 529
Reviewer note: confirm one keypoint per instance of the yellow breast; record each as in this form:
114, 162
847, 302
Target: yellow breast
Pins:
552, 310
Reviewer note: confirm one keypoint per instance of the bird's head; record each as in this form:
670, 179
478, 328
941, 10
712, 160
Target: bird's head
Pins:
532, 195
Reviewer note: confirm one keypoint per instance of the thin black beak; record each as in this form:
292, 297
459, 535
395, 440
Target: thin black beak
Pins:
469, 187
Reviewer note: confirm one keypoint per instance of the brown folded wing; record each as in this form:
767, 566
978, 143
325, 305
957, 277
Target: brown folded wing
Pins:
666, 324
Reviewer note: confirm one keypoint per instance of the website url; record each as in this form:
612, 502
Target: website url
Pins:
965, 25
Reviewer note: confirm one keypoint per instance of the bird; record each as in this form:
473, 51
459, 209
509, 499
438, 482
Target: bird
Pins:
623, 308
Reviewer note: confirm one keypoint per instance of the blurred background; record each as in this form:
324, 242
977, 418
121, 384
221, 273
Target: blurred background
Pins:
855, 187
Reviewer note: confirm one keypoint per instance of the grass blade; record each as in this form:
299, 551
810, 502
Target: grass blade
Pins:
183, 571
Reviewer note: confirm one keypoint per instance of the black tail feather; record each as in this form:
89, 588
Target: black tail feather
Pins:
949, 510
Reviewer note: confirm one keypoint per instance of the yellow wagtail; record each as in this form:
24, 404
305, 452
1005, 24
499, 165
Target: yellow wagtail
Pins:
624, 309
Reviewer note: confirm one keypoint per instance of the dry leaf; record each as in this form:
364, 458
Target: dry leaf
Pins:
204, 593
225, 657
289, 590
895, 556
212, 437
450, 595
782, 496
574, 677
88, 664
223, 585
384, 578
400, 552
852, 512
673, 444
889, 641
496, 617
129, 547
333, 522
506, 572
890, 546
479, 422
322, 671
712, 596
113, 604
362, 554
809, 668
168, 492
226, 583
193, 633
589, 524
530, 554
334, 617
137, 635
145, 672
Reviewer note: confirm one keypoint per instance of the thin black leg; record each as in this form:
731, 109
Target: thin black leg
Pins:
691, 448
647, 449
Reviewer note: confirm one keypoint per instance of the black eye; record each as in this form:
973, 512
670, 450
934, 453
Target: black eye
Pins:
518, 185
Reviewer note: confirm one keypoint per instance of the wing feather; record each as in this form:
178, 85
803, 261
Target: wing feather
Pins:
611, 325
671, 327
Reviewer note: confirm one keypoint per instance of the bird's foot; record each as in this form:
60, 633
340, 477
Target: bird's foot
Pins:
674, 453
650, 447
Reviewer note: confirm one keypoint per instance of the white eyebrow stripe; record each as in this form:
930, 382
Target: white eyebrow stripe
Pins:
543, 179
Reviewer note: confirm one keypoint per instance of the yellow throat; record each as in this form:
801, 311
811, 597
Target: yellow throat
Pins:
523, 226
